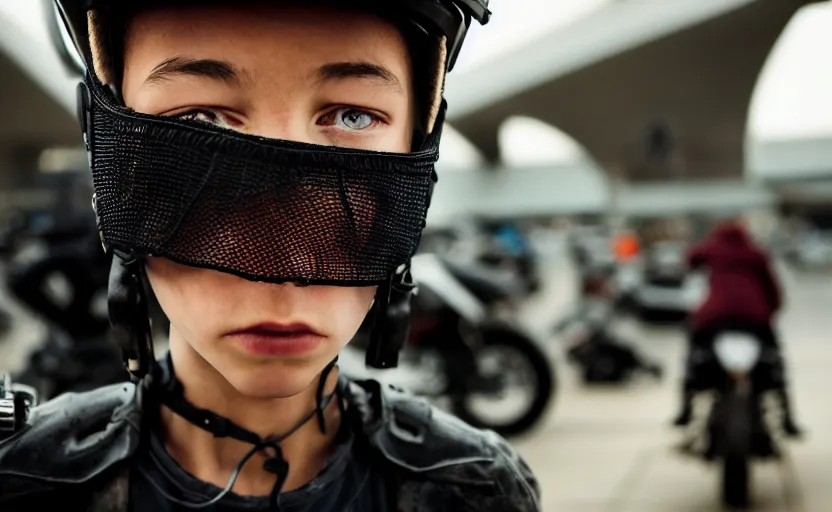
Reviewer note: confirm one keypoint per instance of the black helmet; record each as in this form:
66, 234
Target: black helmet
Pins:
448, 19
438, 27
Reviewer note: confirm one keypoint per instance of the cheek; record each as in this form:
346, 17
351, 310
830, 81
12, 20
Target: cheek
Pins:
189, 296
392, 139
398, 136
342, 309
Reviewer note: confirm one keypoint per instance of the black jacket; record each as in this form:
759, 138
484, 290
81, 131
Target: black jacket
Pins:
76, 451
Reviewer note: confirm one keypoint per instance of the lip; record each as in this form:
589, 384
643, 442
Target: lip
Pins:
272, 339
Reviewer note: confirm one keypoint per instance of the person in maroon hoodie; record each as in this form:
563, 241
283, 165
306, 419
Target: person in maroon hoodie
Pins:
744, 296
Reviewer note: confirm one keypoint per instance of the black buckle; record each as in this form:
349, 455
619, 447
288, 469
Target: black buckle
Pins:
215, 424
276, 466
478, 9
16, 400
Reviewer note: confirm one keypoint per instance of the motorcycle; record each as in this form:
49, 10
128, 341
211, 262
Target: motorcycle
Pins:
738, 428
600, 355
77, 354
464, 347
508, 247
590, 344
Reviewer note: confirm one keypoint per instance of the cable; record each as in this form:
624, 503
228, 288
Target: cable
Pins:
173, 397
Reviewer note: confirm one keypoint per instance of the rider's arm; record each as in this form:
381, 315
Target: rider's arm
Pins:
772, 286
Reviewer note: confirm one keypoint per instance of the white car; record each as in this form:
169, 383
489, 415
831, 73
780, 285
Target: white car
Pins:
666, 286
681, 299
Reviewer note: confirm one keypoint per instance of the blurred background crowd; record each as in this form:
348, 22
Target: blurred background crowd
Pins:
630, 190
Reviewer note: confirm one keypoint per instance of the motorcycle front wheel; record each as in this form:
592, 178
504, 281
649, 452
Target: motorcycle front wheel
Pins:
528, 384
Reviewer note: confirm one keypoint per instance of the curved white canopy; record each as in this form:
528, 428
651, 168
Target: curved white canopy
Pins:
793, 98
457, 153
790, 118
527, 142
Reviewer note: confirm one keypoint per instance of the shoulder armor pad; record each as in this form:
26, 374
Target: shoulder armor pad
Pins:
419, 437
71, 439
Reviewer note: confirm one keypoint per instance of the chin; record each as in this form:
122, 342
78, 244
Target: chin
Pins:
273, 380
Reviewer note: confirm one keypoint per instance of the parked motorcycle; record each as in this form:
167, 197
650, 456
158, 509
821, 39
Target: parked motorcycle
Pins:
57, 269
509, 248
601, 356
738, 429
461, 349
62, 365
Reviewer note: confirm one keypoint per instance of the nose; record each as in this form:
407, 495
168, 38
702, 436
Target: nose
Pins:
285, 121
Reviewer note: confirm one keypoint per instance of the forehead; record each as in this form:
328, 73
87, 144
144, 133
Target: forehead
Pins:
262, 36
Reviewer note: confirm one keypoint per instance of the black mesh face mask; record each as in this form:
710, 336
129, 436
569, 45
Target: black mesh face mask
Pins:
262, 209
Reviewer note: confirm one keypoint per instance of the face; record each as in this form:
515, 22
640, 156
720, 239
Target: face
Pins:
301, 74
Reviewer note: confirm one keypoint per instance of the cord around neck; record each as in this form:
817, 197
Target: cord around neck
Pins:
172, 394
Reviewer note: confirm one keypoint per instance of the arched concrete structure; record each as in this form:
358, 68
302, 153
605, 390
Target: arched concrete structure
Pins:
696, 82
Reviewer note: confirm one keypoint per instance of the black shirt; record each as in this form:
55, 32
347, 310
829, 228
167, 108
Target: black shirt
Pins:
348, 482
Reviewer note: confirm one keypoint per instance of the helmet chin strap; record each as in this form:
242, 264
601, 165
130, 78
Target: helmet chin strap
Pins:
390, 320
171, 393
128, 313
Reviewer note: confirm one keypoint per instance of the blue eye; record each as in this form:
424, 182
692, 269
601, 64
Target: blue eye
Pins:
354, 119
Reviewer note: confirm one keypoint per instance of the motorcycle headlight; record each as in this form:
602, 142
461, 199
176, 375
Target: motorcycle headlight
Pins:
737, 352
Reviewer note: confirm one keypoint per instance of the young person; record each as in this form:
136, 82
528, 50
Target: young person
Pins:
264, 168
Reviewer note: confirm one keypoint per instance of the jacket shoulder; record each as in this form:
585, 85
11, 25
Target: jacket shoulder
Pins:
70, 440
446, 454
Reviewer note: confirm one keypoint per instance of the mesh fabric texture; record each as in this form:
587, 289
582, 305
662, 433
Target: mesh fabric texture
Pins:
262, 209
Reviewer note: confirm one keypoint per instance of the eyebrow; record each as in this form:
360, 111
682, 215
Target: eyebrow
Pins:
348, 70
204, 68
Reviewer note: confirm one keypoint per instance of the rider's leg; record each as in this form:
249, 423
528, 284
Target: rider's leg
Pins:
697, 338
789, 426
700, 338
769, 340
686, 412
